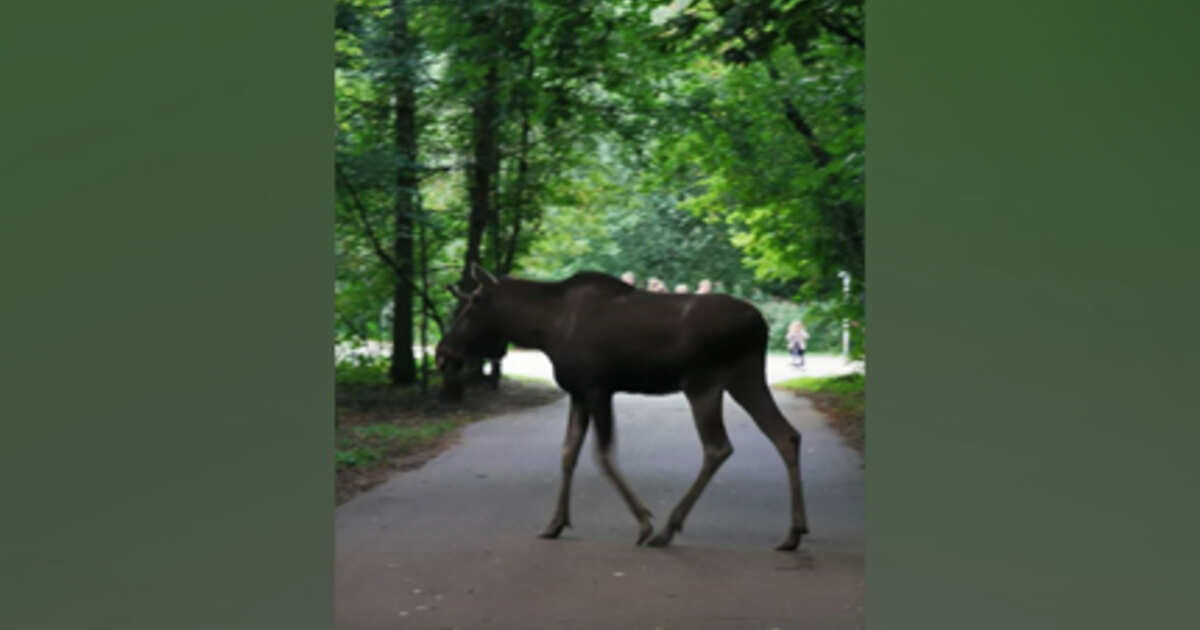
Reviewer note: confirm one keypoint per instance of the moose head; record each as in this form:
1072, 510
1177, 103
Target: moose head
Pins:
476, 331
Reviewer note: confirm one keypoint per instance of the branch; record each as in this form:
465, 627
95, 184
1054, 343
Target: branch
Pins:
383, 255
801, 125
789, 109
362, 215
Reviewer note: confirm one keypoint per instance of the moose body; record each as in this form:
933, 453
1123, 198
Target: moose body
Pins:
624, 340
604, 336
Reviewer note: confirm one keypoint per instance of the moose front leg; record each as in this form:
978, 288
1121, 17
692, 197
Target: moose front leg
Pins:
494, 375
577, 422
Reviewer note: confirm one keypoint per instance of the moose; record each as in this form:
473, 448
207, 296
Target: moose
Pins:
604, 336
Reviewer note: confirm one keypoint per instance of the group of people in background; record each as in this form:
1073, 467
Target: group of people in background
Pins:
797, 335
654, 285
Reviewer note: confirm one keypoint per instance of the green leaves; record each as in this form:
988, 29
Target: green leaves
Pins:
712, 138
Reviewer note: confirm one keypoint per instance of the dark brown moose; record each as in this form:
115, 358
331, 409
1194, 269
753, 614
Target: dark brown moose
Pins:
605, 336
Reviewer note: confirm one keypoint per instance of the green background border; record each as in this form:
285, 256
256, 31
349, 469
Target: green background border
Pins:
1032, 268
166, 252
166, 176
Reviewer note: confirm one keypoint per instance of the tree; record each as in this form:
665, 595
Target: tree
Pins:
685, 139
776, 89
405, 52
378, 67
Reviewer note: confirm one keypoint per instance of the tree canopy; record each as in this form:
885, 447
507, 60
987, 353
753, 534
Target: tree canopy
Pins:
682, 140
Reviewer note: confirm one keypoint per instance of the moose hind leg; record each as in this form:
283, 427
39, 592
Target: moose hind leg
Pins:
577, 422
752, 394
706, 408
603, 416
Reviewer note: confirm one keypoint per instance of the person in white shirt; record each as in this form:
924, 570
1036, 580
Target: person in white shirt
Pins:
797, 338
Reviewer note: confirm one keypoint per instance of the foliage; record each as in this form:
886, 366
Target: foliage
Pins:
776, 139
606, 229
356, 457
718, 139
361, 369
825, 332
362, 446
846, 385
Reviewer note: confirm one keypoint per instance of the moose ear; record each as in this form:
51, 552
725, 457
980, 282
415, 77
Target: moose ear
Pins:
481, 275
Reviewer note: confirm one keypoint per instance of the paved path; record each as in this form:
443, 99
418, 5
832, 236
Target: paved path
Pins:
453, 544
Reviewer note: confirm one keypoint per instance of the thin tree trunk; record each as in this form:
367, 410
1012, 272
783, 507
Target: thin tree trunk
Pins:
493, 232
484, 113
508, 257
403, 371
424, 270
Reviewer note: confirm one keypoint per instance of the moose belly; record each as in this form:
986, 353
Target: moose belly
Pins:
642, 377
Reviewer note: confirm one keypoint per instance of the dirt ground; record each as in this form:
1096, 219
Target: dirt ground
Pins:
372, 405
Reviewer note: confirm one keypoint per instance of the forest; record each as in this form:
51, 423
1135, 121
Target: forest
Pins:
682, 141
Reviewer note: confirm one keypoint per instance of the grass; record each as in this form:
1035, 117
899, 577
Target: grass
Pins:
362, 370
366, 445
842, 398
381, 429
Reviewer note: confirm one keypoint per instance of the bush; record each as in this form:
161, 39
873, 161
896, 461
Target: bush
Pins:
362, 370
356, 457
364, 446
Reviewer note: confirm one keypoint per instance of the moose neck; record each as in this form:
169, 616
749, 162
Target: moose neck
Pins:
529, 311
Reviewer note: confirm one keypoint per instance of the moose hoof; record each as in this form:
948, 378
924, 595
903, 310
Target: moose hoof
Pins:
644, 532
553, 529
661, 540
792, 541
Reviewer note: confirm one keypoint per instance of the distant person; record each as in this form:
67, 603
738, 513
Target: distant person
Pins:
629, 278
797, 339
681, 288
705, 286
654, 285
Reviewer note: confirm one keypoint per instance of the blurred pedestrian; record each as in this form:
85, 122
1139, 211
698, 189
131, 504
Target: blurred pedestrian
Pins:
797, 339
654, 285
681, 288
705, 286
628, 278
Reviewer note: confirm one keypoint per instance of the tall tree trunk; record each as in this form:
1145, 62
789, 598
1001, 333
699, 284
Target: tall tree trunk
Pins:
485, 164
517, 198
403, 370
484, 113
493, 229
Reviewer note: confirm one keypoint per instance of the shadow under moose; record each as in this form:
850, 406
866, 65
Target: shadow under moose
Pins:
604, 336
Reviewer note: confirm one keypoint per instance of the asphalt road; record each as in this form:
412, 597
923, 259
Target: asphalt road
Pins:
453, 544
